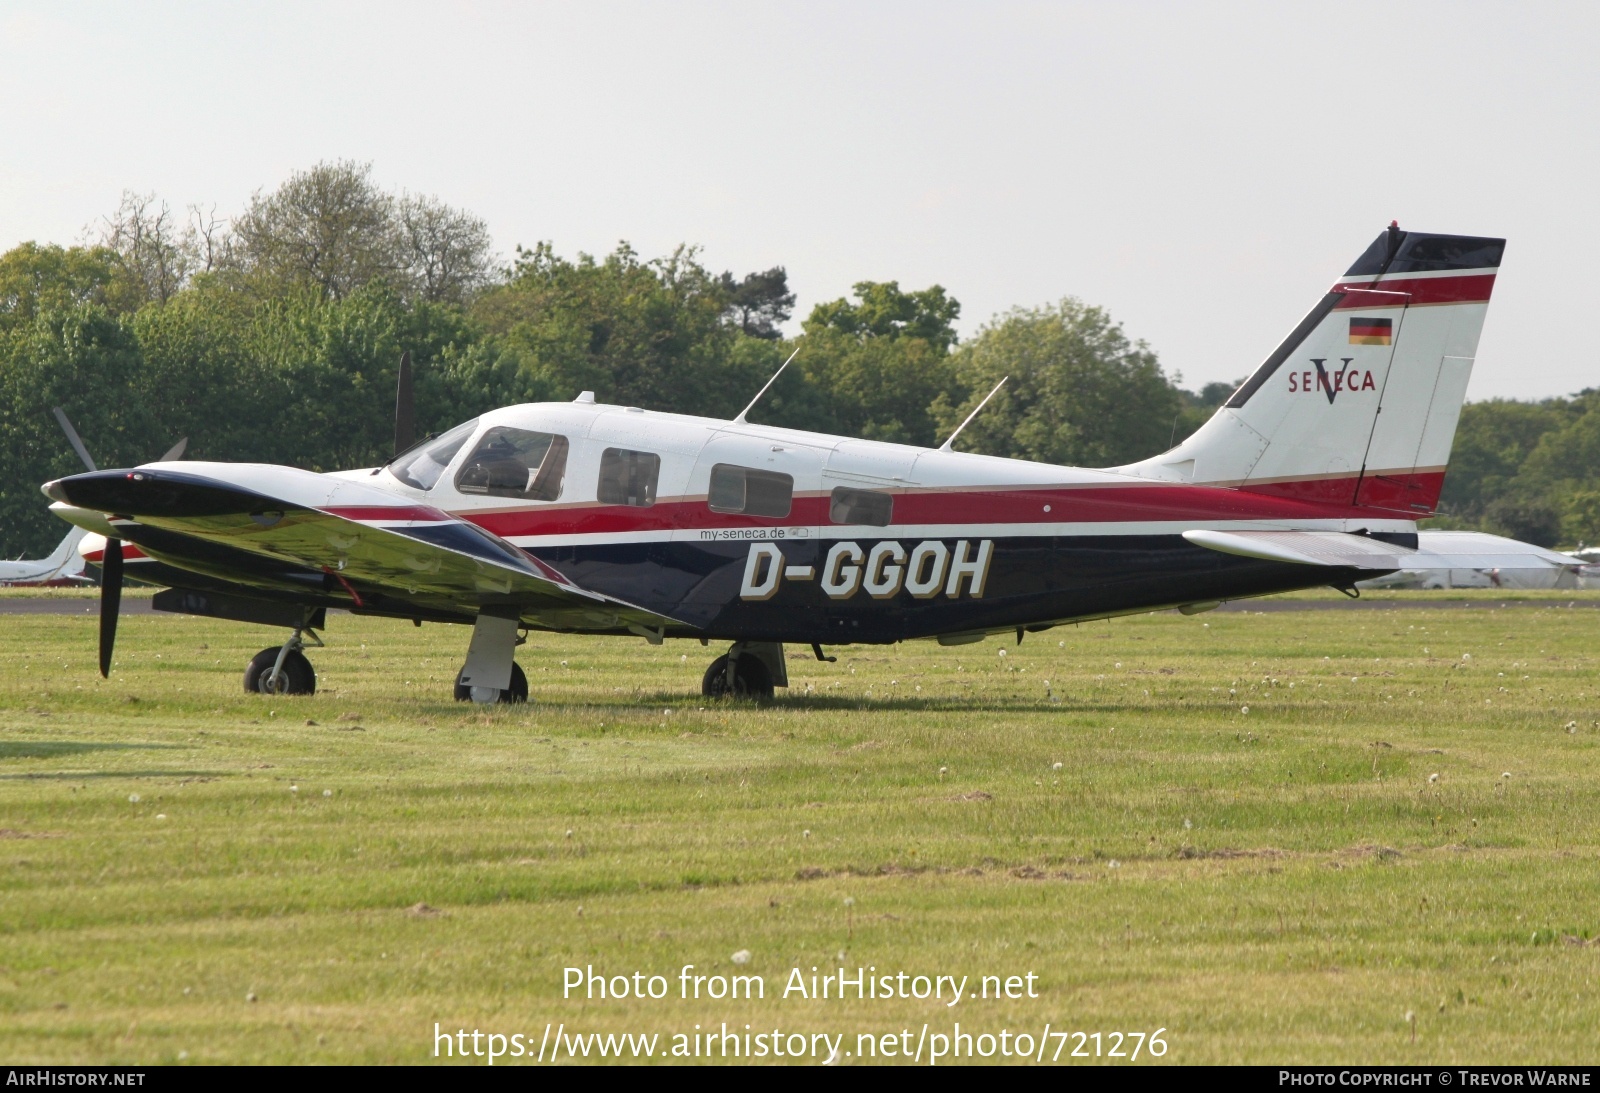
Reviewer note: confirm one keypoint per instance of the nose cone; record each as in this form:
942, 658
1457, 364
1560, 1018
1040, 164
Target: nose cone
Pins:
96, 490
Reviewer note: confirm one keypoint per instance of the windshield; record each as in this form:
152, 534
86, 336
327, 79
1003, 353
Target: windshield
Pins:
422, 465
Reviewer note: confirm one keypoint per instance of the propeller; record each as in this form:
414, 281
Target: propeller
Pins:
111, 560
110, 602
405, 411
73, 438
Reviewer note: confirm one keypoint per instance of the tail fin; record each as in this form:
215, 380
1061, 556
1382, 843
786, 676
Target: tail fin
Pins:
64, 560
1359, 404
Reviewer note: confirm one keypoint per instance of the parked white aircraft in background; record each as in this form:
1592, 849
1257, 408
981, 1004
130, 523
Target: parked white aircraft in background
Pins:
63, 564
1474, 559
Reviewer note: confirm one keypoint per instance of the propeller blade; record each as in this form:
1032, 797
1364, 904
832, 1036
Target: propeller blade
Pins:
405, 417
176, 451
110, 602
73, 438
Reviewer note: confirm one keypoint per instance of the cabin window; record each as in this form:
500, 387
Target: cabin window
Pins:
861, 507
516, 463
421, 465
749, 491
628, 478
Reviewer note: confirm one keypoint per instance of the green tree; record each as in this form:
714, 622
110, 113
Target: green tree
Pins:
331, 227
1080, 392
880, 362
36, 279
882, 310
760, 303
637, 333
1493, 440
86, 361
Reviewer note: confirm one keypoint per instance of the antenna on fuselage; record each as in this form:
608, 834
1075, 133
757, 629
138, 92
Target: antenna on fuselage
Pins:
945, 447
740, 419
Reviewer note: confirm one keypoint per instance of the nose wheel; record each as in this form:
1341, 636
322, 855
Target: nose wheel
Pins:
517, 692
281, 670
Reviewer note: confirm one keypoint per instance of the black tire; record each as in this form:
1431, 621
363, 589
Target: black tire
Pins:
750, 679
517, 692
297, 677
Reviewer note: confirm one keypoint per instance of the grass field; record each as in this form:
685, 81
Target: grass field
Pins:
1393, 856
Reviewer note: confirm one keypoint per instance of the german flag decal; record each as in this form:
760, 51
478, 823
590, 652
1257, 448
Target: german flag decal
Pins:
1371, 331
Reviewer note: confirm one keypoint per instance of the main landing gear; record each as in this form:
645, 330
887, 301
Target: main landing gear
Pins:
490, 674
517, 692
751, 669
284, 669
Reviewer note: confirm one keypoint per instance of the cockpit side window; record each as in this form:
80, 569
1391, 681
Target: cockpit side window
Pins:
421, 465
861, 507
516, 463
628, 478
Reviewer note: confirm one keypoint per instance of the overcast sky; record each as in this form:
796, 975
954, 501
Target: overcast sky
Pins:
1203, 171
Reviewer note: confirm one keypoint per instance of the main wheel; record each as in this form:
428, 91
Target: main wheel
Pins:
296, 678
750, 679
517, 692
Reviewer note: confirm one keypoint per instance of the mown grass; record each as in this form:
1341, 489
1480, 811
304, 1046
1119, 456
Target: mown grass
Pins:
1282, 884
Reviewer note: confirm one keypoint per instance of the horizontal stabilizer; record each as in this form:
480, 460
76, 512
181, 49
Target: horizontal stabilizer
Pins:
1326, 548
1439, 550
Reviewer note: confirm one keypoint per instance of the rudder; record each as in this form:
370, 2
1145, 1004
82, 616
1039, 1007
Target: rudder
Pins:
1359, 404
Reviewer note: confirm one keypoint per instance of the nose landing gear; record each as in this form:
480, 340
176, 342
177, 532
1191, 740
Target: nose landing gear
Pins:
284, 669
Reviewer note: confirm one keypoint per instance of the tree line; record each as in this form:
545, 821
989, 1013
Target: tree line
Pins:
274, 335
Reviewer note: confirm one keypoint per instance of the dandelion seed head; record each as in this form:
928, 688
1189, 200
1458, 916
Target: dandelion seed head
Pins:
133, 798
742, 956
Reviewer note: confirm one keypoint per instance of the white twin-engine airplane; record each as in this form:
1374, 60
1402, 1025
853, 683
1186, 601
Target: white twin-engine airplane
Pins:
583, 517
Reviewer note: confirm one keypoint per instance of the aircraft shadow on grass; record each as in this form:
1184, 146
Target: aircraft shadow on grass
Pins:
954, 704
49, 749
90, 775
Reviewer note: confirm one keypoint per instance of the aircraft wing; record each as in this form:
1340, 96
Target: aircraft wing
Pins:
361, 536
1343, 550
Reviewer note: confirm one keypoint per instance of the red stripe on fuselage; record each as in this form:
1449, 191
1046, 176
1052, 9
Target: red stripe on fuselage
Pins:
1413, 494
1317, 499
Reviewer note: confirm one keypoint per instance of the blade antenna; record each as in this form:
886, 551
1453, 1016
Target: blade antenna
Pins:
176, 451
405, 416
740, 419
945, 447
73, 438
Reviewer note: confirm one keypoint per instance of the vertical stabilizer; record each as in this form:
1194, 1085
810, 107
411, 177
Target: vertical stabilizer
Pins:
1359, 404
